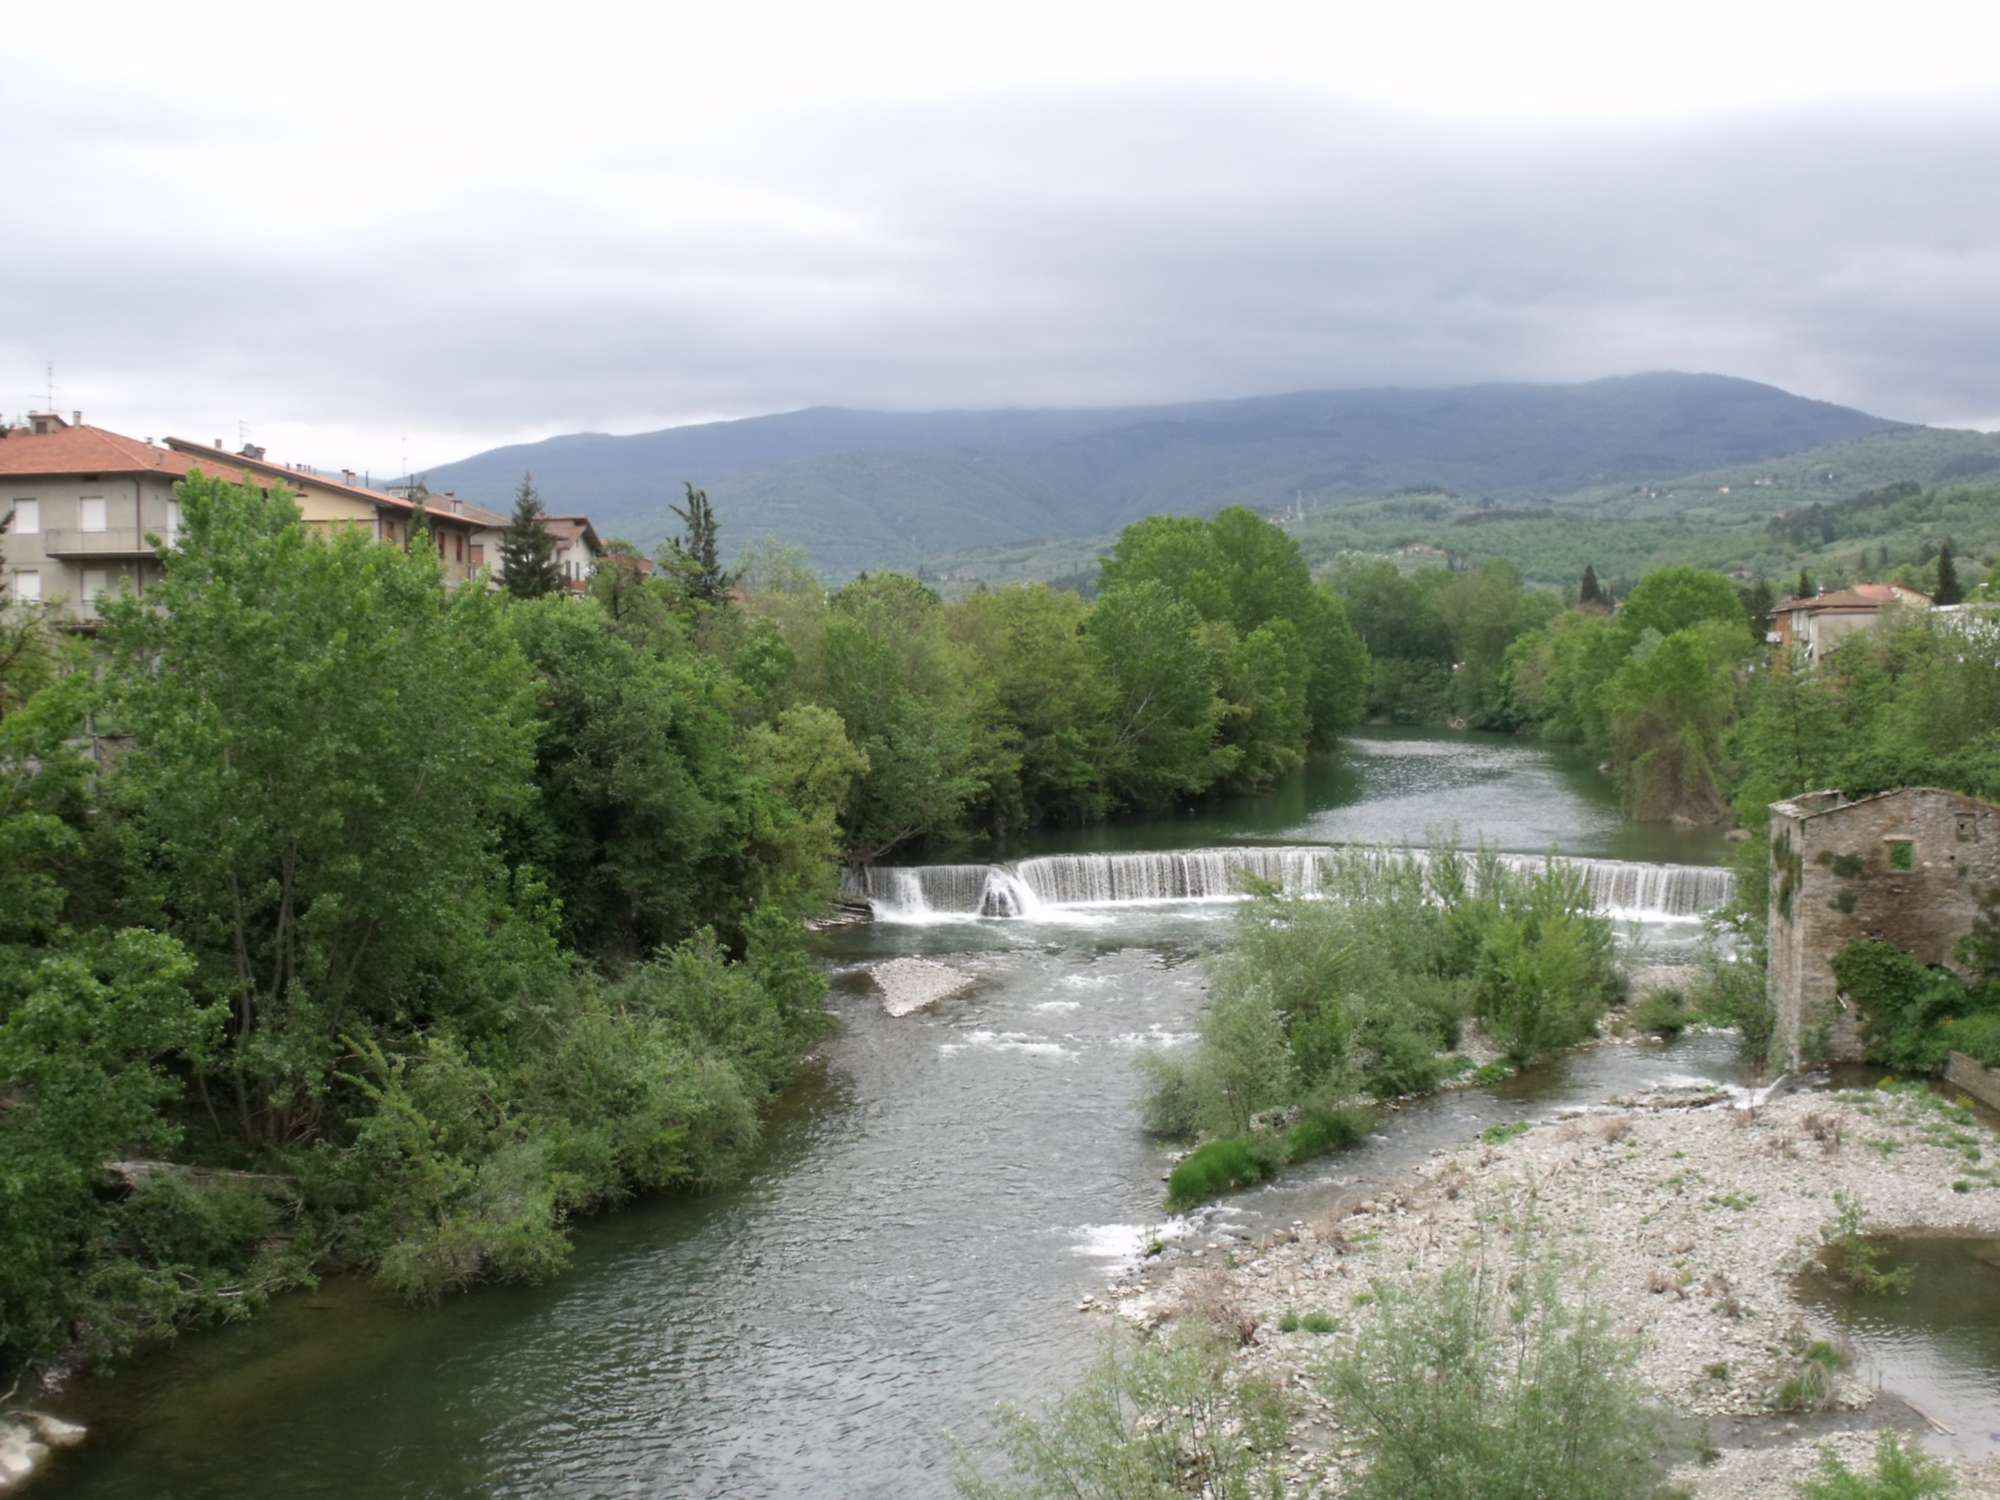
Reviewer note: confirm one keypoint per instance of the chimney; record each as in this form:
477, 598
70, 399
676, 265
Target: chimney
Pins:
76, 419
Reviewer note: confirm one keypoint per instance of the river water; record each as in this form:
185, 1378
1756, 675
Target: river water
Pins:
935, 1198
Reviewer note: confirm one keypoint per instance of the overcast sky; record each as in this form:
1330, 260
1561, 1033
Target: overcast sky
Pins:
356, 226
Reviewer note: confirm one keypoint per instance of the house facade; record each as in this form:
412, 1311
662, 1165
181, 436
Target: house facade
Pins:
1815, 624
77, 504
1911, 867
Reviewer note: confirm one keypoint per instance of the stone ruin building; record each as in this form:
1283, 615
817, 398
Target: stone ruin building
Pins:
1911, 867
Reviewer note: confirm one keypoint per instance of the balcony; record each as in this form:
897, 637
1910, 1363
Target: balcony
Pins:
118, 541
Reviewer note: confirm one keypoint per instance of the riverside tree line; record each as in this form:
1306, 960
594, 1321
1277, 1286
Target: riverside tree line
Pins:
348, 921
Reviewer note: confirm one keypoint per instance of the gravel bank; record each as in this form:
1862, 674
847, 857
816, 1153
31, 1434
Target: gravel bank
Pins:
1696, 1215
910, 984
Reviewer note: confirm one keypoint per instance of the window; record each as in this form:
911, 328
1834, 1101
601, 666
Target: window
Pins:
90, 513
28, 586
95, 582
1901, 856
27, 518
172, 535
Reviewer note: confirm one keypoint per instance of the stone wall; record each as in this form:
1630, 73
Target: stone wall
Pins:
1910, 867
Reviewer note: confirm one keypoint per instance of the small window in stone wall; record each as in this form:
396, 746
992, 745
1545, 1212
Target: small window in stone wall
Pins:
1901, 856
1968, 828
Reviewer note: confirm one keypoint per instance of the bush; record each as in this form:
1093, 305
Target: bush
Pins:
1663, 1013
1151, 1420
1904, 1004
1483, 1381
1850, 1257
1222, 1167
1322, 1128
1902, 1471
1977, 1036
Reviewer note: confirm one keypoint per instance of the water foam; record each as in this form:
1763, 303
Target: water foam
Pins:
1056, 886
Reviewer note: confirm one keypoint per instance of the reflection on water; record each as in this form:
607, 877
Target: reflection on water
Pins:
909, 1253
1407, 787
1939, 1344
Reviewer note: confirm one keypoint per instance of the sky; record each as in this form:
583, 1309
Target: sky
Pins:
384, 235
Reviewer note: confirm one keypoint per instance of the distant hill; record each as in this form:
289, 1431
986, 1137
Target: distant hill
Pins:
863, 489
1721, 518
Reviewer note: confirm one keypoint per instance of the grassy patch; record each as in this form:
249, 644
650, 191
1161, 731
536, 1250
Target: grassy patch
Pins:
1221, 1167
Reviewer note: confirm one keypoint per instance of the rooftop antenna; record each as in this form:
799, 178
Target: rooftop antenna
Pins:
242, 433
406, 458
52, 387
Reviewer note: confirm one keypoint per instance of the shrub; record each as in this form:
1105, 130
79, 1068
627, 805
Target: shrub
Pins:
1221, 1167
1806, 1375
1977, 1036
1850, 1257
1485, 1381
1150, 1420
1663, 1013
1904, 1004
1322, 1128
1902, 1471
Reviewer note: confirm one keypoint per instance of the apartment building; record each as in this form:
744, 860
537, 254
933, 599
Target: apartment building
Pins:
77, 504
578, 551
458, 529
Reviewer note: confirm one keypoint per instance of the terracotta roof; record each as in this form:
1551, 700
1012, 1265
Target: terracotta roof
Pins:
263, 467
566, 529
1861, 596
92, 450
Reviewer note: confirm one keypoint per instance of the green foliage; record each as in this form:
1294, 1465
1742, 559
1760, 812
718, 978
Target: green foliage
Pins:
1488, 1380
85, 1024
1221, 1167
1664, 1013
1152, 1420
1905, 1006
1850, 1257
528, 566
1903, 1471
1806, 1374
1322, 1128
327, 852
694, 558
1316, 1002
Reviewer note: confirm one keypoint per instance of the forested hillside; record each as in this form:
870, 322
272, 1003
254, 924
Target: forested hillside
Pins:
861, 490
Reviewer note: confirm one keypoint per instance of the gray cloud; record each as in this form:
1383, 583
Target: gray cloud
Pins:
1026, 251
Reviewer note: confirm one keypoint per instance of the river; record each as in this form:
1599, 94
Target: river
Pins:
935, 1197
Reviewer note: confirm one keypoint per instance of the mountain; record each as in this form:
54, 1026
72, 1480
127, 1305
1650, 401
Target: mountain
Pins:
862, 489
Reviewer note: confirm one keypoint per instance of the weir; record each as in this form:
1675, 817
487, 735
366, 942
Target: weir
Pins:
1060, 882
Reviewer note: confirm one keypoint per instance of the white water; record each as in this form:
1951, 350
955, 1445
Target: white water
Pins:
1061, 883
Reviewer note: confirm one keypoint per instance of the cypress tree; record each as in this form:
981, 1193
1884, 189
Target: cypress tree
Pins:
1805, 586
1949, 590
695, 556
1588, 592
527, 550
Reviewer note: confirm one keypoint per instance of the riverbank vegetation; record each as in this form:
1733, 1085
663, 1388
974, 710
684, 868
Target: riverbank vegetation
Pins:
1324, 1002
348, 921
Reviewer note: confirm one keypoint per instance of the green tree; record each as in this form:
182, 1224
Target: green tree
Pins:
1587, 591
1027, 646
1670, 599
695, 556
886, 665
1948, 589
1152, 649
1671, 703
528, 564
326, 739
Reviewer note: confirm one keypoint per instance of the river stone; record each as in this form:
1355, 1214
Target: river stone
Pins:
910, 984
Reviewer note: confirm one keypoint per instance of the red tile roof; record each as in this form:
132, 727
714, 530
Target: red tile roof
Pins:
92, 450
1863, 596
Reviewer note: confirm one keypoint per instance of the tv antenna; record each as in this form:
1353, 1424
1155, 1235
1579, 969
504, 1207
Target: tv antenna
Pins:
51, 392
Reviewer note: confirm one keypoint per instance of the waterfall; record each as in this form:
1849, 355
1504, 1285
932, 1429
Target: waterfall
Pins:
1058, 882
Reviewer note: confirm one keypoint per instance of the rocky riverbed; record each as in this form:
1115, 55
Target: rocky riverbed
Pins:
1695, 1213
